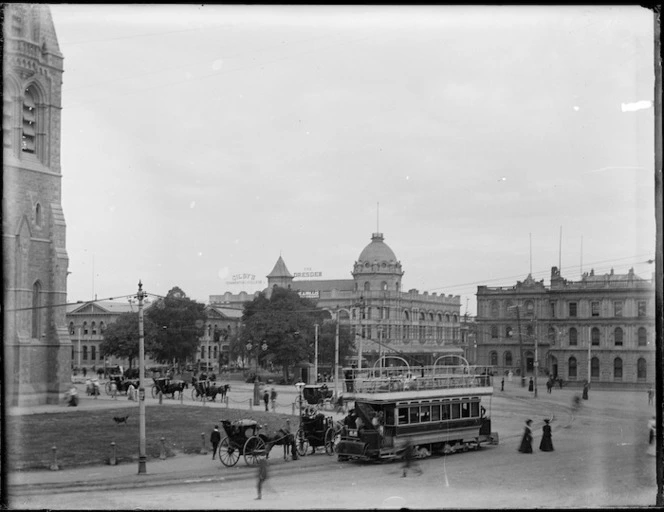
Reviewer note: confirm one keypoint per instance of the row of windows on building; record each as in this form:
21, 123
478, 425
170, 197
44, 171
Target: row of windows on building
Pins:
212, 353
572, 365
573, 335
87, 329
406, 333
573, 308
383, 313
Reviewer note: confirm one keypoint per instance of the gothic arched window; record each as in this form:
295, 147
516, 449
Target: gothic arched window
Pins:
36, 310
29, 133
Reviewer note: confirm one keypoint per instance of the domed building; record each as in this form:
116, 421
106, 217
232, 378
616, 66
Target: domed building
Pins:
386, 320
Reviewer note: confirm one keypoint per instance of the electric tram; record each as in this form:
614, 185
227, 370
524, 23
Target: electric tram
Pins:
436, 409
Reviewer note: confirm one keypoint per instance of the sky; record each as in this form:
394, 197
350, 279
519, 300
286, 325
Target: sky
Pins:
200, 143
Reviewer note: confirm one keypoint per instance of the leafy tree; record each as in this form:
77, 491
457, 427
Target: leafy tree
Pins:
179, 322
285, 322
121, 337
326, 342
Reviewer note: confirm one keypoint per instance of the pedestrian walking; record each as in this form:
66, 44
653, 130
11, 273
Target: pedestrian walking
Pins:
546, 444
409, 459
530, 384
131, 392
527, 439
261, 477
502, 384
266, 399
273, 398
95, 388
72, 401
215, 438
651, 395
586, 386
85, 371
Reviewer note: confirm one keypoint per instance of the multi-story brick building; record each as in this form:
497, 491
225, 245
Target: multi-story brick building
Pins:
385, 319
35, 263
87, 322
600, 328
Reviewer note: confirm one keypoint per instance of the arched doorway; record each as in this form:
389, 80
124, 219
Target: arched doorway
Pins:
530, 361
554, 366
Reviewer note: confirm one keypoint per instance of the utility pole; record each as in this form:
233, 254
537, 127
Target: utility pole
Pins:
518, 327
536, 363
316, 350
142, 459
336, 359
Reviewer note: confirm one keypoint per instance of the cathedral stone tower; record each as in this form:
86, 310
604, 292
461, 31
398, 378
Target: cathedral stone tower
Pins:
37, 347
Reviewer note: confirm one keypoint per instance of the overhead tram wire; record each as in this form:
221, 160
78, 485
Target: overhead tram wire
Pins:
82, 303
544, 273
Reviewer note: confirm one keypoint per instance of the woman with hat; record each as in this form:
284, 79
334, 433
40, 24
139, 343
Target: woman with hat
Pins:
546, 445
527, 439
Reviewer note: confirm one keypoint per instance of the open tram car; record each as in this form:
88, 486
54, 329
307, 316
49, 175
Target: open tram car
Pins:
436, 409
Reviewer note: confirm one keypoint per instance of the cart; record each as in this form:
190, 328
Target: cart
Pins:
242, 439
315, 430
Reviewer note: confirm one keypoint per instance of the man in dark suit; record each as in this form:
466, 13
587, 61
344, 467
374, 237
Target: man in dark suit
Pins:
215, 439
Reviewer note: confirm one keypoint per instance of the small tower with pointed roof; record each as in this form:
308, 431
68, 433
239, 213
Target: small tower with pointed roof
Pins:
280, 276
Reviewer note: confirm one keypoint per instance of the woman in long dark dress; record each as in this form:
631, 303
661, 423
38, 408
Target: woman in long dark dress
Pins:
546, 445
527, 439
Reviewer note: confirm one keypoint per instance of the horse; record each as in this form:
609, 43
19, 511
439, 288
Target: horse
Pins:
223, 391
283, 437
176, 385
207, 391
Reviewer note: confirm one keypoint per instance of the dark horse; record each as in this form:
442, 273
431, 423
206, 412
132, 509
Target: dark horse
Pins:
170, 388
282, 438
204, 388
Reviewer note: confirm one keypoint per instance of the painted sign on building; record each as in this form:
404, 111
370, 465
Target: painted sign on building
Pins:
315, 294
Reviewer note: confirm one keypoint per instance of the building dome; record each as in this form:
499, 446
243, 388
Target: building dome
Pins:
377, 250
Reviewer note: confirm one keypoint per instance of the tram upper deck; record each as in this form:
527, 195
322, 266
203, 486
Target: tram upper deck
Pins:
393, 383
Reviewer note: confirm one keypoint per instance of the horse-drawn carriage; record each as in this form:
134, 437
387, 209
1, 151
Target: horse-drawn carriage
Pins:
317, 394
122, 384
316, 430
243, 438
167, 387
208, 390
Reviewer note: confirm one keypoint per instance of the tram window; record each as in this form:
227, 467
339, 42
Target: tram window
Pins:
414, 415
403, 416
435, 412
475, 409
425, 413
456, 411
465, 410
445, 411
389, 416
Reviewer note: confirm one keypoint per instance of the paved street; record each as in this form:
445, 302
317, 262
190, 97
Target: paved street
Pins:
600, 459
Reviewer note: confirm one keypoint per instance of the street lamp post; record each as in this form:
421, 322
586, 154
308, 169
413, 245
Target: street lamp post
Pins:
299, 386
142, 459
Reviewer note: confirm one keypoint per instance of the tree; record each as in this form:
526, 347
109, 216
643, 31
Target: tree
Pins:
327, 343
285, 323
179, 322
121, 337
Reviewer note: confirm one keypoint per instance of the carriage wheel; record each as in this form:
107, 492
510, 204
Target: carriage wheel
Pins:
330, 436
301, 443
228, 454
194, 395
155, 391
254, 450
107, 387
